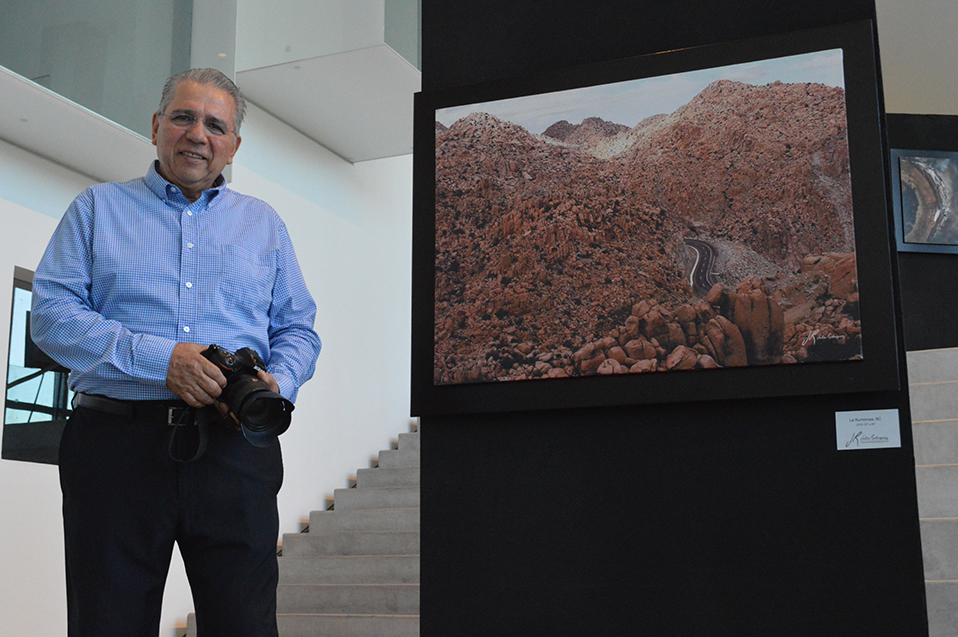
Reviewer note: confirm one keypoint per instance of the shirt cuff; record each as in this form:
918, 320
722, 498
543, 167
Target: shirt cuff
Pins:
287, 387
152, 357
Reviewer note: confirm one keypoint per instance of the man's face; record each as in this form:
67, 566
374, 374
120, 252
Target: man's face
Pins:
191, 155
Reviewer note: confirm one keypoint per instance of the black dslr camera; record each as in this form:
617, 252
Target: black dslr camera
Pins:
262, 413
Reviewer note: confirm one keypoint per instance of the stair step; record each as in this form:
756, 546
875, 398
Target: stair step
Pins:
379, 477
376, 498
933, 401
358, 569
356, 572
409, 441
364, 520
396, 458
937, 491
935, 442
332, 544
305, 625
942, 600
374, 599
939, 543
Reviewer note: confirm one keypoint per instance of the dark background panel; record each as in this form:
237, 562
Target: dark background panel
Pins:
929, 282
719, 518
929, 297
465, 41
689, 520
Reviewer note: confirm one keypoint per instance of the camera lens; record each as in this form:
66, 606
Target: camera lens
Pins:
258, 414
263, 414
264, 411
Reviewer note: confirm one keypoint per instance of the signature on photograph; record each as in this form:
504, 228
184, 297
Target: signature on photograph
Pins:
813, 337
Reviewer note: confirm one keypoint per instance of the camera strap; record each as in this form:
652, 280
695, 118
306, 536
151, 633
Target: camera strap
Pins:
202, 424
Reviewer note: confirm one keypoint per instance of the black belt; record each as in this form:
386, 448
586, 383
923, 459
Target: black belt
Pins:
167, 412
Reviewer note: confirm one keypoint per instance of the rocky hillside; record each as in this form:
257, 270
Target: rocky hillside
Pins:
563, 254
591, 133
766, 166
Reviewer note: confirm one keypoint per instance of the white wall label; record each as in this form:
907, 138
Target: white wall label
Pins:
875, 429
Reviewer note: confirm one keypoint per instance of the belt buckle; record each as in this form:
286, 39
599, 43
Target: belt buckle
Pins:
175, 422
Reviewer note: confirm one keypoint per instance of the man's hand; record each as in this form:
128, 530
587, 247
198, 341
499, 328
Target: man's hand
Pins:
267, 378
192, 377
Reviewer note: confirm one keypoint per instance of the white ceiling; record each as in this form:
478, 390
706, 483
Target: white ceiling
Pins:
358, 104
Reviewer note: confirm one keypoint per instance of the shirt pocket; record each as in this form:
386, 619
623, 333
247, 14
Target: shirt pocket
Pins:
246, 277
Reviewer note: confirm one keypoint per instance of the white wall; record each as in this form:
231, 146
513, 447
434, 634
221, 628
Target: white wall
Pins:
351, 226
918, 40
32, 595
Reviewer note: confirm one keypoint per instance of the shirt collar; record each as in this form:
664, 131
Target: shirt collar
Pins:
165, 190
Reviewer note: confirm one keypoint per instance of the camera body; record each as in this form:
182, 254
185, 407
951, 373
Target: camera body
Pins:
261, 413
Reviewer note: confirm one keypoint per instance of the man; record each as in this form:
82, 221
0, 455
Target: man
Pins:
139, 279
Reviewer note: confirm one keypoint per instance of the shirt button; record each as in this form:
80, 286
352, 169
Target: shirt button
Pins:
189, 245
188, 284
189, 213
186, 328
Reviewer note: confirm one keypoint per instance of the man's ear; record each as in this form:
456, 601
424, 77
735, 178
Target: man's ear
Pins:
235, 148
156, 127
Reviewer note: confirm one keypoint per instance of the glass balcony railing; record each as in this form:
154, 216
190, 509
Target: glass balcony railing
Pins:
110, 56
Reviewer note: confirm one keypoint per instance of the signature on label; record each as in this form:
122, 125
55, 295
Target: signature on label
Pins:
860, 438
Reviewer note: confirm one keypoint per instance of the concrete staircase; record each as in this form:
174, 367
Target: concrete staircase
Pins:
355, 571
933, 387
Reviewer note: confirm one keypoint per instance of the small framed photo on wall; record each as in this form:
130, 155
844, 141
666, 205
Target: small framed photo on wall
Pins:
925, 200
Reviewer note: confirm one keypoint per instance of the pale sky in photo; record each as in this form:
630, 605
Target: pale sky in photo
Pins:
630, 102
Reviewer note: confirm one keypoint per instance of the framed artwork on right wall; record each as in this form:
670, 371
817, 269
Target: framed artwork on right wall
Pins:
925, 200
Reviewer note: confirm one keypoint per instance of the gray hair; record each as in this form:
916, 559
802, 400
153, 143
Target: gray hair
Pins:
210, 77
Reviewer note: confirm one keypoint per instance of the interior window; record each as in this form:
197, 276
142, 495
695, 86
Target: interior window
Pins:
37, 400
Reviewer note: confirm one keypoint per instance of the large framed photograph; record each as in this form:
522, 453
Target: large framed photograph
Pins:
925, 200
698, 224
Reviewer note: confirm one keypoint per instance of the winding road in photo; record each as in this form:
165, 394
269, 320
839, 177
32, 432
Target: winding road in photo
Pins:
700, 276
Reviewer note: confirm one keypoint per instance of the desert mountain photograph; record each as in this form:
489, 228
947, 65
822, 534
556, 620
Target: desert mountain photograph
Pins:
689, 222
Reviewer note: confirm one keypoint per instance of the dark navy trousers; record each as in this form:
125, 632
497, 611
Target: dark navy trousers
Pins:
125, 503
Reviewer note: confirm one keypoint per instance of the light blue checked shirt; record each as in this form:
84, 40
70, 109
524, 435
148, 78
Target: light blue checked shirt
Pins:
134, 268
